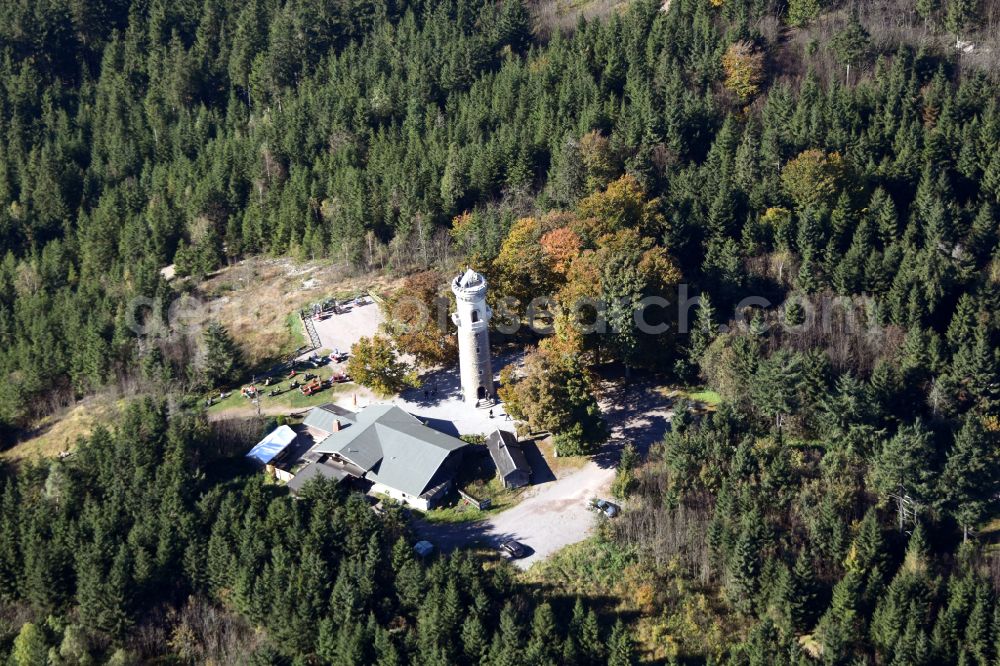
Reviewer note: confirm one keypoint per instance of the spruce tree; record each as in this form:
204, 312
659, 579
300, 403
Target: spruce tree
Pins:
221, 357
970, 475
543, 644
621, 649
804, 597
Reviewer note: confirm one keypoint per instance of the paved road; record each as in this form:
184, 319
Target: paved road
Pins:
555, 514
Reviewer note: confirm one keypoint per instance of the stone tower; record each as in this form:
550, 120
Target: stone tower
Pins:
472, 317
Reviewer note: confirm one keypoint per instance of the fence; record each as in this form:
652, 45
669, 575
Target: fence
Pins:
307, 323
478, 503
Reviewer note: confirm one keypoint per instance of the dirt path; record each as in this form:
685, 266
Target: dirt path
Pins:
250, 411
555, 514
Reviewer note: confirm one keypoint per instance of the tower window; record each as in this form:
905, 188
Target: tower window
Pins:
475, 316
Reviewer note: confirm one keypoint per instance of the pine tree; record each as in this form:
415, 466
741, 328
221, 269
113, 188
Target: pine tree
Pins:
385, 649
544, 644
801, 12
221, 361
961, 329
977, 640
970, 475
10, 557
777, 384
703, 331
589, 638
508, 642
621, 649
803, 598
475, 641
960, 16
514, 25
905, 464
851, 44
926, 9
745, 564
839, 627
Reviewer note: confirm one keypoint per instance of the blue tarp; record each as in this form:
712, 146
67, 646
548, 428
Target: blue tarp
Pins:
272, 445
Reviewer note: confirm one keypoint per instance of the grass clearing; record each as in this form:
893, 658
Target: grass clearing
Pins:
457, 510
258, 300
297, 337
478, 478
708, 398
668, 614
989, 534
560, 466
591, 568
551, 15
59, 432
289, 398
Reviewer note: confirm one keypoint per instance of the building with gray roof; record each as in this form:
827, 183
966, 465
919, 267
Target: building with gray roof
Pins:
327, 418
390, 448
512, 466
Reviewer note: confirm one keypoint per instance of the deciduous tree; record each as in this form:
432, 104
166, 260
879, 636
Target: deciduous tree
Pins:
375, 363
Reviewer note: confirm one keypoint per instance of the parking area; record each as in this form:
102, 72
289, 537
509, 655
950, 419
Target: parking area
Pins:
556, 513
340, 331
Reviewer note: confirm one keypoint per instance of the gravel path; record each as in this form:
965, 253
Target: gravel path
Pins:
555, 514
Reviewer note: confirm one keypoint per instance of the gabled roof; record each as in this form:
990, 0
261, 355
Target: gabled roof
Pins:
506, 452
393, 447
324, 417
271, 446
313, 471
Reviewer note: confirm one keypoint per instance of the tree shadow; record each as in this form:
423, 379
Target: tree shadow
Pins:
451, 536
436, 385
445, 383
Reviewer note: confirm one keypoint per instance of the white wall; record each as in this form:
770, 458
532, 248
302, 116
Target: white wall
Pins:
415, 502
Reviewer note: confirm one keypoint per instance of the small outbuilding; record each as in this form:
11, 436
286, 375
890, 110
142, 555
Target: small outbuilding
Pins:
273, 445
270, 450
508, 456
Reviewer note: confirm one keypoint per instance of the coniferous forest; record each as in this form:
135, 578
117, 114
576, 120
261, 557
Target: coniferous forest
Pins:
838, 160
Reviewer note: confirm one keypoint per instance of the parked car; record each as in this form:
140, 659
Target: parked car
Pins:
423, 548
604, 506
513, 550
